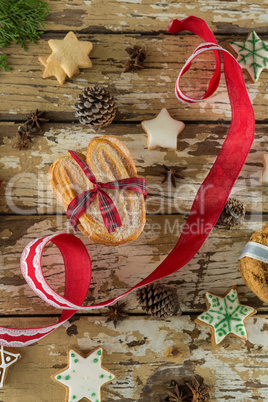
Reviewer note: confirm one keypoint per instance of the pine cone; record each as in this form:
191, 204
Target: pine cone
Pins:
232, 214
95, 107
159, 301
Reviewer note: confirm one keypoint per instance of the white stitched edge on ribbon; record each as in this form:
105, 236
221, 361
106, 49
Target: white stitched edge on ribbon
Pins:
40, 278
199, 50
36, 261
38, 249
255, 250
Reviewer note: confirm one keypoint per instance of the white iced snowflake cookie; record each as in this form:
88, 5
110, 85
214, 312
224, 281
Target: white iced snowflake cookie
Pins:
8, 358
252, 55
225, 316
84, 376
163, 131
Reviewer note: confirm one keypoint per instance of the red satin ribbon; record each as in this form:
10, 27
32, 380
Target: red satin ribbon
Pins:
206, 209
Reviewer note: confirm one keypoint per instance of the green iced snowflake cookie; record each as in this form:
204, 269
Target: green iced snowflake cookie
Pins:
252, 55
225, 316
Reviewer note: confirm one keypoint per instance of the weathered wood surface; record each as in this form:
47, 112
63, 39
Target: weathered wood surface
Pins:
138, 95
148, 16
25, 173
145, 355
116, 269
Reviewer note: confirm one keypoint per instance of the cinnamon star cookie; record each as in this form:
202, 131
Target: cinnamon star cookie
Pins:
68, 55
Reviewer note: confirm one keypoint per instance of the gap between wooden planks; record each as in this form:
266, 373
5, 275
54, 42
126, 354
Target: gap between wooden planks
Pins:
26, 188
148, 353
121, 16
116, 269
139, 95
145, 355
198, 146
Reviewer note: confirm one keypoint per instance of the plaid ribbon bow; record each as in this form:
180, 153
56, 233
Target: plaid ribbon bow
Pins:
109, 212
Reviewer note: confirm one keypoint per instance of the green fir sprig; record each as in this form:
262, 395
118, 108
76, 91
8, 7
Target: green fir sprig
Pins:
4, 62
22, 22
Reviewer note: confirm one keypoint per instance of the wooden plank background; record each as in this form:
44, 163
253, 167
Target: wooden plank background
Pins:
144, 353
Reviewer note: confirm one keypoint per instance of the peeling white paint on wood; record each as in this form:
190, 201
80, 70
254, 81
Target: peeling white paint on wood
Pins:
166, 54
139, 352
116, 269
231, 16
27, 184
144, 353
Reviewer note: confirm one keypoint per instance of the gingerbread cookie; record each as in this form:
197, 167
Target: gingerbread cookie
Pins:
252, 55
8, 358
254, 269
163, 131
225, 316
68, 55
109, 160
84, 376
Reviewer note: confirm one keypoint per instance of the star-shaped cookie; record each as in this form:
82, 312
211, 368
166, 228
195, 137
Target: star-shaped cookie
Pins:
264, 175
7, 358
163, 131
84, 376
225, 316
68, 55
252, 55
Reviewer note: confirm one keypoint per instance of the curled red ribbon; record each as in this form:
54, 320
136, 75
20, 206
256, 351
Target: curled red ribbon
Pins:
207, 206
109, 212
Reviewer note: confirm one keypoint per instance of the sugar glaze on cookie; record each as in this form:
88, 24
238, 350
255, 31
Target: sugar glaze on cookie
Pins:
225, 316
84, 376
252, 55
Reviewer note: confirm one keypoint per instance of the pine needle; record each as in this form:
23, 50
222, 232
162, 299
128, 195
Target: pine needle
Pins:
21, 22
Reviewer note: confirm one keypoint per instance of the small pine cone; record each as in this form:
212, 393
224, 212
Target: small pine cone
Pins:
95, 107
159, 301
232, 214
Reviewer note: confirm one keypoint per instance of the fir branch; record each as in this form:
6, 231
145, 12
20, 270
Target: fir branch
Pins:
4, 62
22, 22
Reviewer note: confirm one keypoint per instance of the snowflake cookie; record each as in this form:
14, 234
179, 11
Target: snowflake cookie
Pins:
252, 55
225, 316
84, 376
7, 358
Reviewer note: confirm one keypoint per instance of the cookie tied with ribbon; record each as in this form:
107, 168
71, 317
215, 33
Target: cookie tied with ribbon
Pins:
101, 192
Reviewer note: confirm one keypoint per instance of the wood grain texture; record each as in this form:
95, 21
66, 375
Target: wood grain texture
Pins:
145, 355
139, 95
116, 269
147, 16
25, 173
